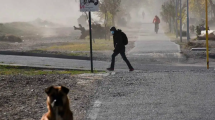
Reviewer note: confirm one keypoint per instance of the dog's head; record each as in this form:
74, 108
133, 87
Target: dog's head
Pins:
57, 95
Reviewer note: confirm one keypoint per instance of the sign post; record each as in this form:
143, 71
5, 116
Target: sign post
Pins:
91, 51
88, 6
207, 53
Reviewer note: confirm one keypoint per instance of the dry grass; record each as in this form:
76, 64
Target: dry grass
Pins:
190, 45
99, 45
170, 35
16, 70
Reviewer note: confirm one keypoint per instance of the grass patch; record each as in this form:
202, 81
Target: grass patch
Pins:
15, 70
56, 52
190, 45
47, 65
99, 45
177, 41
170, 35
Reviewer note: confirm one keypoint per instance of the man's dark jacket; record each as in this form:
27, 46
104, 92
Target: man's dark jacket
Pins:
118, 41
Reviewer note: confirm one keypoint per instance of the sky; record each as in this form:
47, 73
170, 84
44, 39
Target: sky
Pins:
65, 12
61, 11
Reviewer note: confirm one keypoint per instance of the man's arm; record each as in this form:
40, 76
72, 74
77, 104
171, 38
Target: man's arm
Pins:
118, 43
114, 43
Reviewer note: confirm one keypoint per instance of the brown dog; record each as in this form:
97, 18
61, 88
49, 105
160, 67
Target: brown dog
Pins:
57, 104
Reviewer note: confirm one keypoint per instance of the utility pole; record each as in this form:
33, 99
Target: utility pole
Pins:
176, 18
180, 22
188, 22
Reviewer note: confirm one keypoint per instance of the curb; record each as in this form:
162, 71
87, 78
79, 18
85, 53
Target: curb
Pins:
48, 67
43, 55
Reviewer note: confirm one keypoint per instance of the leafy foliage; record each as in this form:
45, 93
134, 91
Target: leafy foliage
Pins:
113, 10
168, 11
109, 9
197, 8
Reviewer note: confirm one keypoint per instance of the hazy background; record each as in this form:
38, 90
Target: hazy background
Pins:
60, 11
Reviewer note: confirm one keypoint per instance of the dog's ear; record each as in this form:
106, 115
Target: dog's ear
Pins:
48, 90
65, 90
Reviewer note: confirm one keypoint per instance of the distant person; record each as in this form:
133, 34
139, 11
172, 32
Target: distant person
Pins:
119, 40
143, 14
156, 21
192, 29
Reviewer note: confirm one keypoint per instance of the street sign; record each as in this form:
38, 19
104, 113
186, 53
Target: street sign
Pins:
89, 5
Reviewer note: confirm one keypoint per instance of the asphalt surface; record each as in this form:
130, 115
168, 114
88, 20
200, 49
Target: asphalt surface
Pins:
150, 42
45, 62
156, 48
163, 87
156, 95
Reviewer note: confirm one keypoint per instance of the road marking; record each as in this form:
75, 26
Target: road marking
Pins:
95, 110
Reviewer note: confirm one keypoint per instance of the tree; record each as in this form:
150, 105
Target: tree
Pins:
109, 8
197, 8
168, 13
113, 8
212, 6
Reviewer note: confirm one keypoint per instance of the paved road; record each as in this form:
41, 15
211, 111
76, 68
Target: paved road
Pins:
150, 45
51, 62
156, 95
150, 42
163, 88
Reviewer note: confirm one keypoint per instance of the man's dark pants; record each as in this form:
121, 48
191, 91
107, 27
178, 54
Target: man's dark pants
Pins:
122, 53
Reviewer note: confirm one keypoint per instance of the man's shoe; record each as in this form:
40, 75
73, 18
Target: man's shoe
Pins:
131, 69
110, 69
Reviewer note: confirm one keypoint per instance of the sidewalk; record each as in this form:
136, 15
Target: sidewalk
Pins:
57, 63
43, 55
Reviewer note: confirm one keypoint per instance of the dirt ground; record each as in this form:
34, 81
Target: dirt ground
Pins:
195, 56
185, 46
23, 97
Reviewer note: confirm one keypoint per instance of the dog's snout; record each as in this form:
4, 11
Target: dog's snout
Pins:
53, 103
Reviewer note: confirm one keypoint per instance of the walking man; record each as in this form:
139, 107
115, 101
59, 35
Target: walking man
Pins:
119, 40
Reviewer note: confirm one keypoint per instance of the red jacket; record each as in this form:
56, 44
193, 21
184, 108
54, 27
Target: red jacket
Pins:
156, 20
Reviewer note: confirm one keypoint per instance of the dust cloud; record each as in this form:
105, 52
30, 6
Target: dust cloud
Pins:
149, 7
65, 12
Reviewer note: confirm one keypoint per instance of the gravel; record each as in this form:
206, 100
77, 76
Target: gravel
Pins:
23, 97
